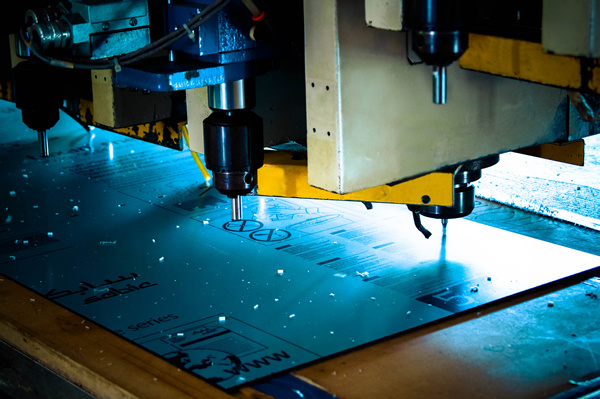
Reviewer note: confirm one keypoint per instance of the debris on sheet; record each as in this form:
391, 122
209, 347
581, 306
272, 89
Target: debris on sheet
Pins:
592, 295
362, 275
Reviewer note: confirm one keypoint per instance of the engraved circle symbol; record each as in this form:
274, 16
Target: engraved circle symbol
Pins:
270, 235
241, 226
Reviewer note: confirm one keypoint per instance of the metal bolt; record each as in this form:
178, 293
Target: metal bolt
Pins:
105, 26
133, 21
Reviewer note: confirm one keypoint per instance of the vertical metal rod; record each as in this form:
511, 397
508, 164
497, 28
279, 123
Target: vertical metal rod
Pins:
43, 140
439, 84
171, 52
236, 208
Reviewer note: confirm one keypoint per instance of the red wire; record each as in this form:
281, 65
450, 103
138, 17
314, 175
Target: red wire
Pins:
258, 18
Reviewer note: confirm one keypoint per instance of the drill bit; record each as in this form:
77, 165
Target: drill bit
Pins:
236, 208
43, 140
439, 84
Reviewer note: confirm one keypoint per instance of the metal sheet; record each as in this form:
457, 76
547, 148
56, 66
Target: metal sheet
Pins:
131, 239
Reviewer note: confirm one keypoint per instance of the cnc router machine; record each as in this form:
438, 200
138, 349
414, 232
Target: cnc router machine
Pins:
391, 102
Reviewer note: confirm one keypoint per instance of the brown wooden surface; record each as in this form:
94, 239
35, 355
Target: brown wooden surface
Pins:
512, 349
88, 355
529, 346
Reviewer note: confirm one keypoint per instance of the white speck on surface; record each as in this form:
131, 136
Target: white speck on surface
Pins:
292, 315
280, 272
50, 234
12, 193
222, 319
161, 259
298, 392
255, 306
408, 313
332, 295
8, 219
474, 289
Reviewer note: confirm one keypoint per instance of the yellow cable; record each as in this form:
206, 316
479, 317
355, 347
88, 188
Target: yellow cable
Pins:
201, 166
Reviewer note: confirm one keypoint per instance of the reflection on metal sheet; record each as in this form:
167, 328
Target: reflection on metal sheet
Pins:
132, 240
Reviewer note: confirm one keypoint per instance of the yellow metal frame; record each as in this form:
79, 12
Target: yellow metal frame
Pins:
571, 152
6, 91
528, 61
283, 176
165, 131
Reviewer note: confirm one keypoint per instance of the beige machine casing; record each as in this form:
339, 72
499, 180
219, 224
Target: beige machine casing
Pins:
370, 115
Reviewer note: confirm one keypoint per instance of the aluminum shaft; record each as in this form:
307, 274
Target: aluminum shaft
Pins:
439, 84
236, 208
43, 140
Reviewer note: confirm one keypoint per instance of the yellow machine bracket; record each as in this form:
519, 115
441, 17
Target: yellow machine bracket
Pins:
283, 176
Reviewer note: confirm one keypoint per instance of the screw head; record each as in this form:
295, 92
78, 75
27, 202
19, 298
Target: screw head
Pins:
133, 21
105, 26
